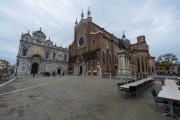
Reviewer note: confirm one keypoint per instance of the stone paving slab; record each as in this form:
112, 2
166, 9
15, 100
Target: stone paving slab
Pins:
73, 97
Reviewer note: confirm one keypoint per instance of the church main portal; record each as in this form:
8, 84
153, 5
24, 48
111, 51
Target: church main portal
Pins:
34, 68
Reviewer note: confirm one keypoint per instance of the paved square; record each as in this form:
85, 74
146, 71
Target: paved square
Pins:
73, 97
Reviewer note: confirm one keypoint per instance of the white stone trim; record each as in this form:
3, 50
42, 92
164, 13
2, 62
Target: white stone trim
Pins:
93, 33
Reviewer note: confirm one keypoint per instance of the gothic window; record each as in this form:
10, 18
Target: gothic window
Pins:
24, 51
47, 55
110, 58
54, 55
103, 57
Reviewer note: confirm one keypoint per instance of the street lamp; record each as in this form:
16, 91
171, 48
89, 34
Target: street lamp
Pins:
16, 67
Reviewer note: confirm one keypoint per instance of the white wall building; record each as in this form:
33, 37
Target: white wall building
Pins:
37, 54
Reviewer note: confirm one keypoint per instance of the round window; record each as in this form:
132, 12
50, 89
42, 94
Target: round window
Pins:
81, 41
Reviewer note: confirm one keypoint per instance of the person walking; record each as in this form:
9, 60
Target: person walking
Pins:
33, 75
63, 73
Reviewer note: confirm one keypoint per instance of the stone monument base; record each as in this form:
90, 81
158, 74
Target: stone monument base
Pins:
125, 74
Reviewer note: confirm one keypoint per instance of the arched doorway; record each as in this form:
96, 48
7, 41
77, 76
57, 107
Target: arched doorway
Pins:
34, 68
59, 70
80, 66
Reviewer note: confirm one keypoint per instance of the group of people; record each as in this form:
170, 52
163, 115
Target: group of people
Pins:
47, 74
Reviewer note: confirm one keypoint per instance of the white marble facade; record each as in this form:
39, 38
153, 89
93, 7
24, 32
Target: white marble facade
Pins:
37, 54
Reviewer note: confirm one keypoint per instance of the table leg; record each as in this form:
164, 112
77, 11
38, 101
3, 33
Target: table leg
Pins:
168, 113
171, 108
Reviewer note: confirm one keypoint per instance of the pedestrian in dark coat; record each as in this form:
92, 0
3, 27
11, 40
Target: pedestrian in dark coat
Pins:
33, 75
63, 73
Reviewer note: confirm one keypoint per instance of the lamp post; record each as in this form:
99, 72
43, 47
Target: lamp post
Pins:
16, 67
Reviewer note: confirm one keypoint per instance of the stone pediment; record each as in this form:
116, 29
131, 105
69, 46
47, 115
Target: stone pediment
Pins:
83, 21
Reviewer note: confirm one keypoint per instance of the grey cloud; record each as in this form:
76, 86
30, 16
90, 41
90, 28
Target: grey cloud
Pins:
157, 20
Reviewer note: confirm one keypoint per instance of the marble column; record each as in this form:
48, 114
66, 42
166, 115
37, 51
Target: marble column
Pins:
145, 65
128, 62
84, 69
140, 68
124, 62
119, 60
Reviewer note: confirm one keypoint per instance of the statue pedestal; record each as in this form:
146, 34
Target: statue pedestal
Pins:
124, 72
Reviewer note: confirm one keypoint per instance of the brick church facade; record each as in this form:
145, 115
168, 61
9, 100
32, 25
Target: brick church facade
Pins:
94, 51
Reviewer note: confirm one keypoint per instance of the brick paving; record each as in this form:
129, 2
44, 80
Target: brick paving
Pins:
73, 97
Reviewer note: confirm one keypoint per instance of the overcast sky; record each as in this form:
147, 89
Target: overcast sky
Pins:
158, 20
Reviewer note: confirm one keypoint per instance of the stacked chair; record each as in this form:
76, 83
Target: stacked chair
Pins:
176, 108
133, 90
120, 89
156, 99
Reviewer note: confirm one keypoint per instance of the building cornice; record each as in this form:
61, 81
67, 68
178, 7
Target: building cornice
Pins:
30, 43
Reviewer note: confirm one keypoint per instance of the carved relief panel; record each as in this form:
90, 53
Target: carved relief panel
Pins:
36, 50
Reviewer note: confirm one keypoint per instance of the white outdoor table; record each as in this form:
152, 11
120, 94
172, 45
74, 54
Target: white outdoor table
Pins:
170, 88
170, 92
135, 83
